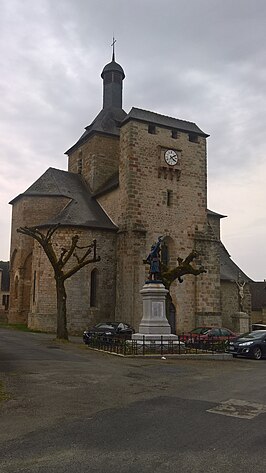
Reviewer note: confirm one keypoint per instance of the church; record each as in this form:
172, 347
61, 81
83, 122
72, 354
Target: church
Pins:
131, 178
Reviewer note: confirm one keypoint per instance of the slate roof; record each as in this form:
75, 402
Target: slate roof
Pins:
111, 184
215, 214
4, 267
81, 211
113, 67
107, 121
163, 120
258, 294
229, 271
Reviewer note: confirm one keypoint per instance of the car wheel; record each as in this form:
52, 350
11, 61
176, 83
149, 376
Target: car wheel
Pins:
257, 353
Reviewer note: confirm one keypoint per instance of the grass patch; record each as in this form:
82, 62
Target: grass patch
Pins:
21, 327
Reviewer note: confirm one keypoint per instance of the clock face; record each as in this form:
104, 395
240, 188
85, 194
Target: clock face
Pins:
171, 157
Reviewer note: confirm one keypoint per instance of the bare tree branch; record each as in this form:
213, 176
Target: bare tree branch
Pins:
51, 230
79, 266
70, 252
184, 267
63, 252
58, 263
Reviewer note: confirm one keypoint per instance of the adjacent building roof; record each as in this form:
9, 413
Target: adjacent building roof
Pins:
81, 211
258, 294
229, 270
4, 268
163, 120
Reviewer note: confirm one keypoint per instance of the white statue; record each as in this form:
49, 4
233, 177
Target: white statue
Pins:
241, 294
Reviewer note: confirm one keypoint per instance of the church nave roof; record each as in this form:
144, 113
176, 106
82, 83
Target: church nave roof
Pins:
81, 211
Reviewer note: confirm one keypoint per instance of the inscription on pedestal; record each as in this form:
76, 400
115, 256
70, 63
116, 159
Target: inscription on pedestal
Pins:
158, 310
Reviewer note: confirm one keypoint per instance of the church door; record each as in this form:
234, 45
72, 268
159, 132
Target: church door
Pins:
172, 318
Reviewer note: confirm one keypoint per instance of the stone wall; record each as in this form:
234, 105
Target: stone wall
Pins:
111, 203
208, 308
80, 313
96, 159
214, 221
144, 184
27, 211
131, 249
146, 212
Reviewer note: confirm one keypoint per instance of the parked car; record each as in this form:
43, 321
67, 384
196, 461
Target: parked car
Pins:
201, 335
258, 327
107, 331
252, 344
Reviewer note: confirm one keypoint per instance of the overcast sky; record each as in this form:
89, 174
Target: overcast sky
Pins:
197, 60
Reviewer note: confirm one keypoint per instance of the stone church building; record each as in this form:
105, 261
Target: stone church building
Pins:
131, 178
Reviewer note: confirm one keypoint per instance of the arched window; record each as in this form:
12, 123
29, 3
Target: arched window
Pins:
165, 254
94, 287
168, 252
16, 287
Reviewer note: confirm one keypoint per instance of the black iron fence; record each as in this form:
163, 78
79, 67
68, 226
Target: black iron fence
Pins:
161, 346
206, 343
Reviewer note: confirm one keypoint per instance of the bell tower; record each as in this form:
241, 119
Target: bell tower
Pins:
96, 154
113, 76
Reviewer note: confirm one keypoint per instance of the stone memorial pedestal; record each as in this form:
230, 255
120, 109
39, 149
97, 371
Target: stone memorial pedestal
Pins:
240, 322
154, 324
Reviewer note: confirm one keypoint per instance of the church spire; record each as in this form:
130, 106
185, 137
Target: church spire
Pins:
113, 46
113, 76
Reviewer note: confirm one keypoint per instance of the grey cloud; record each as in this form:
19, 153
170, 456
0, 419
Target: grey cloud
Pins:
199, 60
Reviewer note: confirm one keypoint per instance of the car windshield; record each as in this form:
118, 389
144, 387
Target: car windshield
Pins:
201, 330
258, 327
107, 325
255, 335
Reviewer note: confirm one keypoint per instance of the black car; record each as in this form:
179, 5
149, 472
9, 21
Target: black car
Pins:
108, 331
258, 327
252, 344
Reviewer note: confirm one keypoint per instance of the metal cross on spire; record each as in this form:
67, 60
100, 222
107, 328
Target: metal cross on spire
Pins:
113, 46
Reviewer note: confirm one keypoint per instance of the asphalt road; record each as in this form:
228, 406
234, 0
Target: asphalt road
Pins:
74, 410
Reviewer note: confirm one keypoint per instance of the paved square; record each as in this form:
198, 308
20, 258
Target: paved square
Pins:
238, 408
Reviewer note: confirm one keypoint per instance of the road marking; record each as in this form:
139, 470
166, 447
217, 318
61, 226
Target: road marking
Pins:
238, 408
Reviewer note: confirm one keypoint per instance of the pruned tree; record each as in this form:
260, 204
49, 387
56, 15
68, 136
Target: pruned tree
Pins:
65, 263
184, 267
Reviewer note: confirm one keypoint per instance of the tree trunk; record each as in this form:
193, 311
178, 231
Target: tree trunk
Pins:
61, 332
